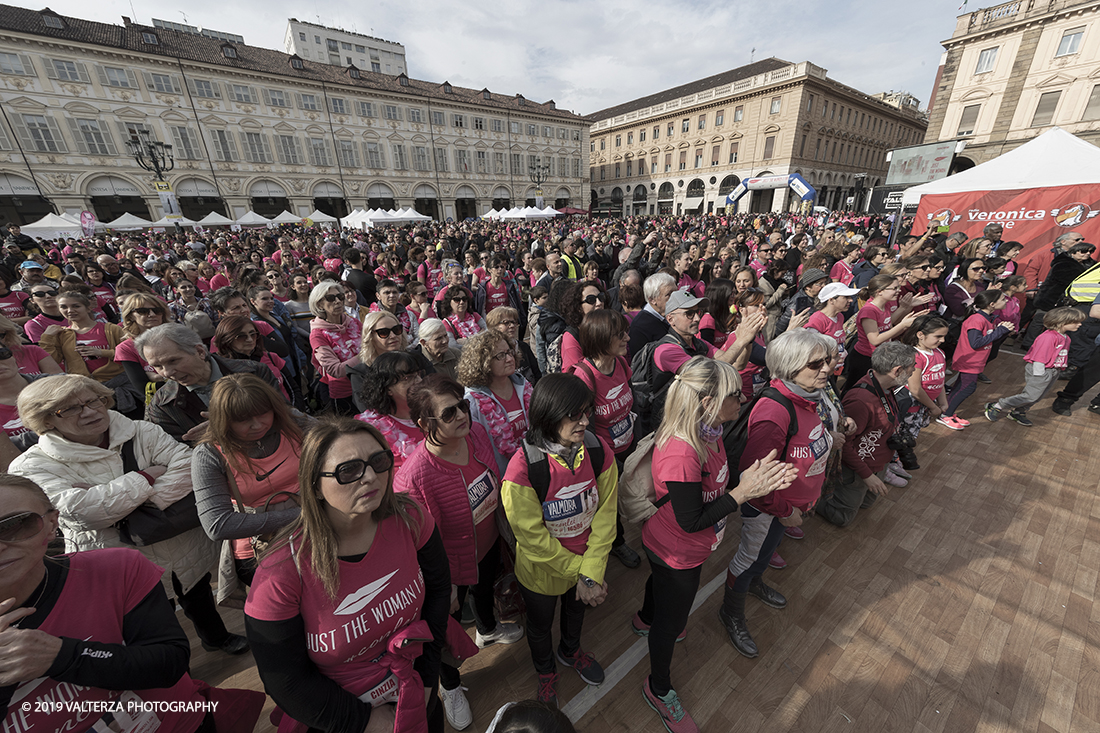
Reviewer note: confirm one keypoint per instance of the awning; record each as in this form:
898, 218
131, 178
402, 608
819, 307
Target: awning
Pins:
693, 203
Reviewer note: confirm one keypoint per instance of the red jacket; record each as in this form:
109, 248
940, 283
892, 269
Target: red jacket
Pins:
808, 450
1037, 267
865, 451
439, 487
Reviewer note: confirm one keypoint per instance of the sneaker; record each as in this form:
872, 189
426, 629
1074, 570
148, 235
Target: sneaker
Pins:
548, 688
673, 715
892, 479
626, 555
896, 469
1020, 418
960, 421
585, 664
1067, 373
795, 533
992, 412
1065, 408
768, 596
456, 707
468, 617
777, 562
984, 379
641, 628
949, 421
504, 633
1094, 409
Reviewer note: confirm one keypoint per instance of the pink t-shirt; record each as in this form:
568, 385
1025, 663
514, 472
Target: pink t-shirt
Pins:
378, 596
12, 304
218, 281
678, 462
463, 328
842, 272
966, 358
933, 371
571, 352
1051, 349
670, 357
758, 267
614, 400
11, 422
516, 416
483, 491
97, 337
28, 357
1011, 311
495, 296
104, 295
876, 314
831, 327
720, 336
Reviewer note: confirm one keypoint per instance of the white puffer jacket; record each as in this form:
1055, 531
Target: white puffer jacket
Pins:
88, 515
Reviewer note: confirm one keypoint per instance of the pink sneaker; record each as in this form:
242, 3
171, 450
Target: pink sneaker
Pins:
795, 533
671, 710
960, 421
950, 421
777, 562
892, 479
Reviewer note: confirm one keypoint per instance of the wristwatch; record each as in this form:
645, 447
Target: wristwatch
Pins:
587, 581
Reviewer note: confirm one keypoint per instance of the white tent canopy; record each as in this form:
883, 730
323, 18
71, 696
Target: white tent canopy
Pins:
252, 219
166, 222
1055, 158
128, 223
53, 226
320, 217
285, 217
214, 219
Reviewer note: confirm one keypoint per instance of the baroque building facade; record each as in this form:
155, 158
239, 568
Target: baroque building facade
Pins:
1011, 71
255, 128
684, 149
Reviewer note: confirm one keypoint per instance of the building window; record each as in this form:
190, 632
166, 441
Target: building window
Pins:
671, 130
1044, 112
817, 151
641, 136
482, 161
547, 131
563, 134
317, 40
618, 141
630, 138
438, 119
668, 162
832, 115
685, 126
802, 147
987, 59
420, 158
301, 36
702, 122
968, 121
459, 120
400, 159
515, 128
353, 72
366, 109
777, 104
289, 153
496, 125
42, 135
479, 123
603, 172
377, 68
276, 98
95, 139
113, 77
415, 115
739, 113
360, 49
296, 63
618, 170
462, 160
810, 103
1071, 41
719, 118
391, 112
769, 147
332, 45
348, 152
576, 167
52, 21
603, 144
345, 46
374, 156
532, 130
162, 83
563, 167
206, 89
255, 147
733, 152
656, 133
683, 160
517, 164
629, 167
150, 38
72, 71
1092, 109
229, 52
225, 150
498, 164
242, 93
698, 157
339, 105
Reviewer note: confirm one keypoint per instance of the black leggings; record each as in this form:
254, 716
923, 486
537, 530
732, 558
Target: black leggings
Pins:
669, 594
198, 605
858, 365
484, 611
540, 620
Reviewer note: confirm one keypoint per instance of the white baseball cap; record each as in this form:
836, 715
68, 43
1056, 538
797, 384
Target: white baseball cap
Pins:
836, 290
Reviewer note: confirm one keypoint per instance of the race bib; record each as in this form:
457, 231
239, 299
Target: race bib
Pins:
719, 533
622, 432
382, 693
820, 448
571, 513
484, 497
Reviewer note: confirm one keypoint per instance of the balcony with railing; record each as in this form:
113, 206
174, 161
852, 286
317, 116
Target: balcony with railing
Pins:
1010, 12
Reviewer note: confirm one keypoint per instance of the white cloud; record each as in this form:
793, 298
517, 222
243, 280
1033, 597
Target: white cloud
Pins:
591, 55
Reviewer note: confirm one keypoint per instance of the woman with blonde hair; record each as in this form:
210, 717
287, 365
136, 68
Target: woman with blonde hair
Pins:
140, 312
506, 320
691, 479
86, 346
499, 397
246, 466
382, 333
32, 359
334, 338
358, 551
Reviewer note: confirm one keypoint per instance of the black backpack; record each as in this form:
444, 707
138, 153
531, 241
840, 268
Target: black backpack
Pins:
650, 385
735, 436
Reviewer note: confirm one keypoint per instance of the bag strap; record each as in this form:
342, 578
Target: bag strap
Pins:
538, 470
234, 490
775, 395
129, 460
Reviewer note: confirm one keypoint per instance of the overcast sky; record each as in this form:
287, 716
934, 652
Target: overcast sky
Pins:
589, 55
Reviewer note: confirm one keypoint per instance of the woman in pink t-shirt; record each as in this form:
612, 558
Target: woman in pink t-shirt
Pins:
691, 479
873, 324
86, 346
32, 359
347, 592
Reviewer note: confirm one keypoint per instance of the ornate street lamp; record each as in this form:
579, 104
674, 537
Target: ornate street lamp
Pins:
152, 155
538, 173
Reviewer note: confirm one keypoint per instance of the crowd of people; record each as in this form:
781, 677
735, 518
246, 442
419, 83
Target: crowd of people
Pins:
371, 440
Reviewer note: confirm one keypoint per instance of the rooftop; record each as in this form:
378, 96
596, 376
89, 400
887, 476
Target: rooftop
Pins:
341, 30
172, 44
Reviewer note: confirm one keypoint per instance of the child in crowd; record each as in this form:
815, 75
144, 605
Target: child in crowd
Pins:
927, 381
972, 352
1013, 287
1044, 361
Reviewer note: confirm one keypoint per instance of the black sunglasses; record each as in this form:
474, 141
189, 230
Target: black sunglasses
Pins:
817, 364
44, 293
5, 353
592, 299
460, 299
583, 412
353, 470
330, 298
145, 311
19, 527
450, 413
385, 332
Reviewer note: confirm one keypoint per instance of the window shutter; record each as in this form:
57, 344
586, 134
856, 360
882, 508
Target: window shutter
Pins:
132, 77
217, 87
1092, 110
267, 97
298, 149
298, 99
22, 133
51, 72
266, 143
176, 85
108, 138
177, 139
253, 95
28, 65
82, 71
191, 87
78, 136
148, 81
102, 76
244, 145
52, 123
234, 156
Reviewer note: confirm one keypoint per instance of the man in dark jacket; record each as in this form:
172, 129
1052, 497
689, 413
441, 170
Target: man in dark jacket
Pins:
866, 456
27, 245
496, 291
178, 354
811, 283
1064, 269
650, 324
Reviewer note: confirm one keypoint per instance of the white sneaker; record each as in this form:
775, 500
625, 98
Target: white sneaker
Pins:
504, 633
456, 707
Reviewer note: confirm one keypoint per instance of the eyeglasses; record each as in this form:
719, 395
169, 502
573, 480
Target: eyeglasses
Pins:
385, 332
22, 526
977, 269
145, 311
584, 412
332, 298
414, 376
817, 364
460, 299
449, 414
77, 409
694, 313
44, 293
763, 250
504, 355
350, 471
509, 323
5, 353
593, 299
245, 336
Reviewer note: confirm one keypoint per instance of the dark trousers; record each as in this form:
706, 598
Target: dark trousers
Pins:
767, 548
246, 569
963, 388
540, 620
858, 365
669, 594
484, 612
1084, 380
198, 605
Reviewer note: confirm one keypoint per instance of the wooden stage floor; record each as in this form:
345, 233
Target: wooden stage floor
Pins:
963, 602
